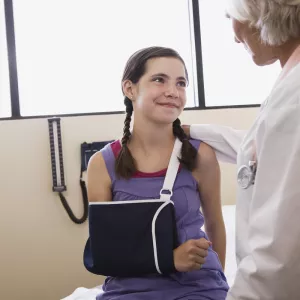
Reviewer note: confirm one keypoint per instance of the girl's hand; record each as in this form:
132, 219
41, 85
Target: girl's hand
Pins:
191, 255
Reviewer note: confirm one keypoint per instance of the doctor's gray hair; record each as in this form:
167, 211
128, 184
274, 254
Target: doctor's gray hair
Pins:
277, 20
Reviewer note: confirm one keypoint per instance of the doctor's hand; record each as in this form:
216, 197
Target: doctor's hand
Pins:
186, 129
191, 255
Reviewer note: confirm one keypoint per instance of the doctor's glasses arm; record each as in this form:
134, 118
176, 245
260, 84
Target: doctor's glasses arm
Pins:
224, 140
208, 176
98, 180
272, 269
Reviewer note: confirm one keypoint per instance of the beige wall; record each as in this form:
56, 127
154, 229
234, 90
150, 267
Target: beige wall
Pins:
41, 249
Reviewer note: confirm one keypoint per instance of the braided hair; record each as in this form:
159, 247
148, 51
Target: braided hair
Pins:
188, 151
125, 164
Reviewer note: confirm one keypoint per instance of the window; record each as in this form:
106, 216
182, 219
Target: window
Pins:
71, 53
5, 109
230, 76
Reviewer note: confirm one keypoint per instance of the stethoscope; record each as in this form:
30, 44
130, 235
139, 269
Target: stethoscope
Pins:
246, 173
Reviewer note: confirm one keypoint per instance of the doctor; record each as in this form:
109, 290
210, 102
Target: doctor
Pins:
268, 156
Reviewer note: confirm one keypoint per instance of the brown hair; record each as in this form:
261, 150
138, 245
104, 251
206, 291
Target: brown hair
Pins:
135, 68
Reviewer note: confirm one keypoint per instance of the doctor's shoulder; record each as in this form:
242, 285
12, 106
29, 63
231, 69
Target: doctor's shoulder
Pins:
282, 110
283, 119
292, 84
287, 92
98, 179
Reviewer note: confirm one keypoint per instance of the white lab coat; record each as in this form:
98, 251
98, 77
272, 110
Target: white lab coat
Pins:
268, 212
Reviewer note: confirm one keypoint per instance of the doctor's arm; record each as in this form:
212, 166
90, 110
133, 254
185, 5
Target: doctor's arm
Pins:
272, 269
223, 139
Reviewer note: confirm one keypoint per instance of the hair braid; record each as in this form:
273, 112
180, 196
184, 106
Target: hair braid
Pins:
188, 152
125, 164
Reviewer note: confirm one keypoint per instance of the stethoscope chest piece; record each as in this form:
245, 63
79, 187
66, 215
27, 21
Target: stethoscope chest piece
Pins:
246, 175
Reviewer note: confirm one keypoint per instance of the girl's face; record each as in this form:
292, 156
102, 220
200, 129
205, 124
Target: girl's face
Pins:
160, 94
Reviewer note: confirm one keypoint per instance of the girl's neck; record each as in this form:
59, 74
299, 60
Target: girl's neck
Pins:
150, 137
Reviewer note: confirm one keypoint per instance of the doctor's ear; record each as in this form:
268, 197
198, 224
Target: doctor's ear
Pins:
128, 89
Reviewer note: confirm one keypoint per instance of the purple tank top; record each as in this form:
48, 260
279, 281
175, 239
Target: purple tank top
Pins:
189, 222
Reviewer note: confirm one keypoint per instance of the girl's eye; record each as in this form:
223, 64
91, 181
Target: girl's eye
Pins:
158, 79
182, 83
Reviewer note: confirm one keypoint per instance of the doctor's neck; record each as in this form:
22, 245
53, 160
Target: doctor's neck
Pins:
287, 50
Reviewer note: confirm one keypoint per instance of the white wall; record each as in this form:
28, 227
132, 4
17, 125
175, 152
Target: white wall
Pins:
40, 248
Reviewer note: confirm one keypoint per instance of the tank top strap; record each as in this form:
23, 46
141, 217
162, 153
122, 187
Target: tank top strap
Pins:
111, 151
109, 157
195, 143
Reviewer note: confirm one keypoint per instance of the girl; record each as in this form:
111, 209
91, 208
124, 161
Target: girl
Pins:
154, 84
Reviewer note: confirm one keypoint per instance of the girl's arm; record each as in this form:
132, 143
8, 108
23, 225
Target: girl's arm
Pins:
208, 177
98, 180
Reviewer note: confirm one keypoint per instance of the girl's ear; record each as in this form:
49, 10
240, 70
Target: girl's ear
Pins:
128, 89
